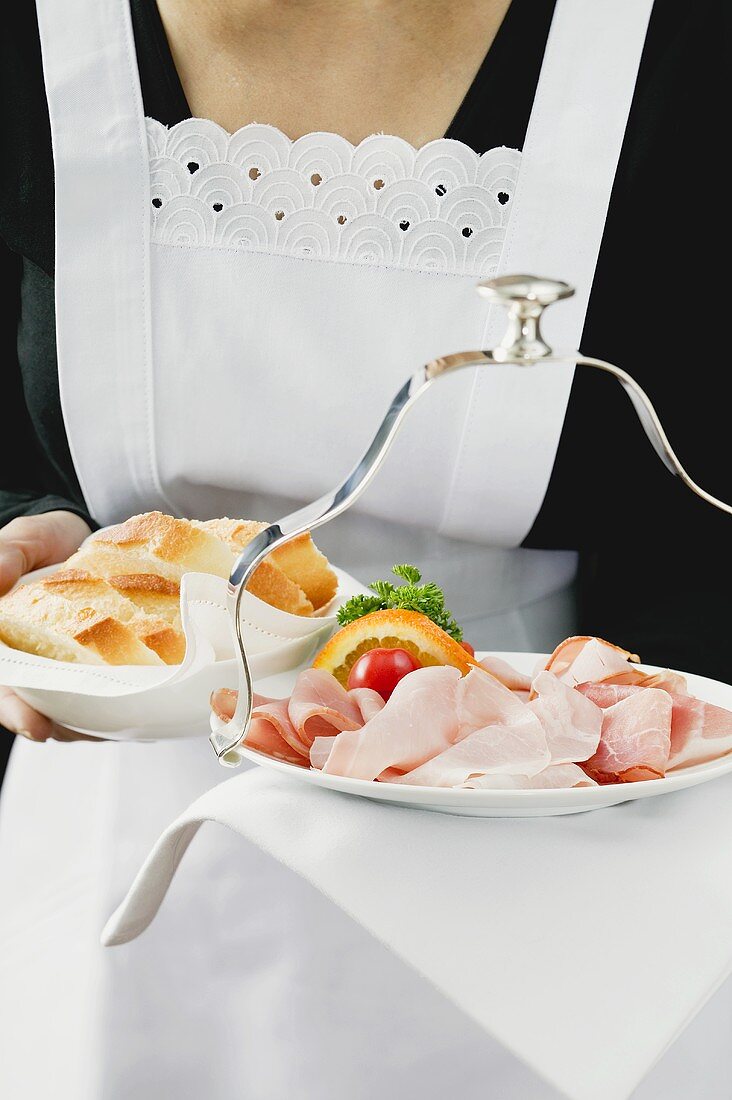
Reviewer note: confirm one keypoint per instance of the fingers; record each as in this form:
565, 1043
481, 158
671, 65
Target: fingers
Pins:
31, 542
223, 703
23, 720
13, 564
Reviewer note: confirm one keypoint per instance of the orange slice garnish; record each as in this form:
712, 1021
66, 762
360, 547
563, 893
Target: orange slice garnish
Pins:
395, 629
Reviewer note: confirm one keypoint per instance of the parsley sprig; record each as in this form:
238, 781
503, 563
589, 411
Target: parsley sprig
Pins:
428, 599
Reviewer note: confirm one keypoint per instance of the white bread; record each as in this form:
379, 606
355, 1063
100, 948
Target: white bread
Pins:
299, 562
117, 601
153, 543
268, 582
37, 621
84, 591
155, 595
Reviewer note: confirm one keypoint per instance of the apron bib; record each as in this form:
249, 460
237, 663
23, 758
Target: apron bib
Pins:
234, 313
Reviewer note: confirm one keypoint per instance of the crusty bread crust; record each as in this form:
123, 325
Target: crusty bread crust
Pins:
154, 595
177, 542
154, 620
301, 561
272, 586
38, 621
298, 561
145, 583
117, 601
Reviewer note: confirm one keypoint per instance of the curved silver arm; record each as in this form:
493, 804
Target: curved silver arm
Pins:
522, 346
225, 736
652, 426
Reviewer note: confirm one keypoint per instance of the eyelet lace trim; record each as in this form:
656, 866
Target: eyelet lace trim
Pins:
442, 208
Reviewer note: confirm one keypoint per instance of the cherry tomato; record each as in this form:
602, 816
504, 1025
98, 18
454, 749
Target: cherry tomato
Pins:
382, 669
468, 648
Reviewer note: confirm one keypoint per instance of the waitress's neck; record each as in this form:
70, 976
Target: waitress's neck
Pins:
354, 67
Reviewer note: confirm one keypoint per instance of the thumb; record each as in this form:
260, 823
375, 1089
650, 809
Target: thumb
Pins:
31, 542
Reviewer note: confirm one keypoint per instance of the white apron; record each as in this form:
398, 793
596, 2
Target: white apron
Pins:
233, 315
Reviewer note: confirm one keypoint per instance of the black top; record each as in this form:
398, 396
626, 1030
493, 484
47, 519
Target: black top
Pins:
655, 559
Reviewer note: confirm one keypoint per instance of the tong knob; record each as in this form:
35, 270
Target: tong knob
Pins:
525, 297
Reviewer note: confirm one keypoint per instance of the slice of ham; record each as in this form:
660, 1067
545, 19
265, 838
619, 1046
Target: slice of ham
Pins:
555, 776
584, 660
635, 739
699, 731
484, 701
263, 735
518, 749
571, 721
419, 720
498, 734
636, 677
506, 673
319, 706
272, 733
593, 660
674, 682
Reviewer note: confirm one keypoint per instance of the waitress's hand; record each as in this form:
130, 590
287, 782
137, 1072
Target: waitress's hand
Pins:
25, 544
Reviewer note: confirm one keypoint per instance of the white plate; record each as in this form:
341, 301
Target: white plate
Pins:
487, 803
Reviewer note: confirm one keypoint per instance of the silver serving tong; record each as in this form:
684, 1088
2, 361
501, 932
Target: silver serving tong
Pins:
525, 297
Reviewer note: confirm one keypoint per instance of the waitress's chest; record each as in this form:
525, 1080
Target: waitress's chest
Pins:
296, 285
257, 300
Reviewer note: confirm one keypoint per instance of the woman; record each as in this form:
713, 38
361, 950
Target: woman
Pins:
231, 317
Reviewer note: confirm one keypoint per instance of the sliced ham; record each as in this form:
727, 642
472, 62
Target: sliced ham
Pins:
497, 734
605, 695
555, 776
514, 749
571, 721
674, 682
699, 731
272, 732
583, 660
506, 673
369, 702
484, 701
419, 720
319, 706
636, 677
320, 751
265, 735
495, 728
635, 739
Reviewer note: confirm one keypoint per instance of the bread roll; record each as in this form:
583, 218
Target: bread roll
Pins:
154, 595
118, 599
301, 560
298, 561
84, 592
37, 621
156, 544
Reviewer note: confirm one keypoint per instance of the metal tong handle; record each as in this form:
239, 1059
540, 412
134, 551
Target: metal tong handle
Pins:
523, 345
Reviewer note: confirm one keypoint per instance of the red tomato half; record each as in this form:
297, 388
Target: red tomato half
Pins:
468, 648
382, 669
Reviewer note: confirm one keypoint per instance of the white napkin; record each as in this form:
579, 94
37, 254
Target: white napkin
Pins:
585, 944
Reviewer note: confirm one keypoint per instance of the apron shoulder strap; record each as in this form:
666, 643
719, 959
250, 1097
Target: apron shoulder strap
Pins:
568, 166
